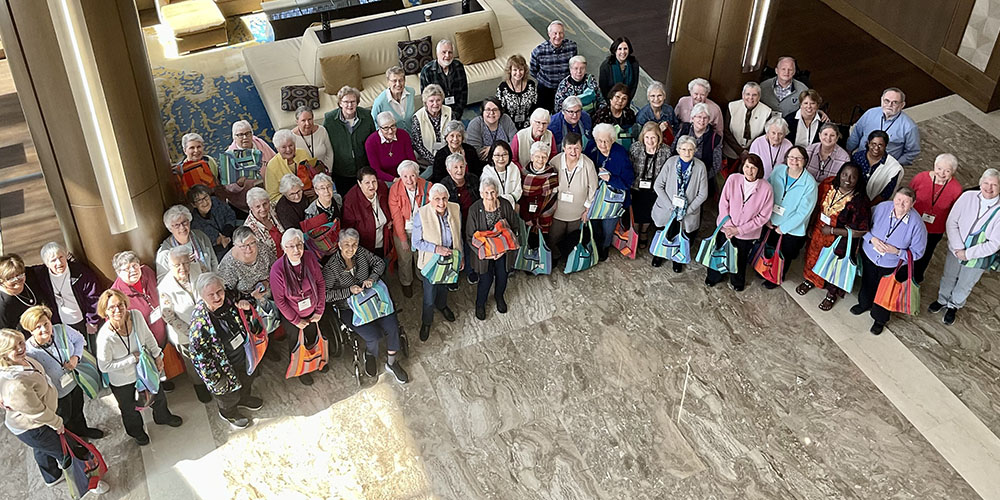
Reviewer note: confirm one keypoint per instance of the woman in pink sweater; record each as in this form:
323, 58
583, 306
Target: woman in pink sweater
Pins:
747, 201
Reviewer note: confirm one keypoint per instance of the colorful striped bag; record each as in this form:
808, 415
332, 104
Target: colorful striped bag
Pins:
307, 359
494, 242
677, 249
722, 259
990, 262
838, 271
371, 304
239, 163
534, 260
768, 261
584, 254
307, 169
86, 374
899, 296
443, 270
608, 202
627, 240
189, 173
322, 233
256, 344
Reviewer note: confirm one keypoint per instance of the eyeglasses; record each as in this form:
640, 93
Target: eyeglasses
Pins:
116, 307
16, 279
388, 127
298, 246
876, 145
349, 103
796, 158
202, 200
243, 134
294, 193
501, 154
571, 111
178, 225
247, 244
490, 110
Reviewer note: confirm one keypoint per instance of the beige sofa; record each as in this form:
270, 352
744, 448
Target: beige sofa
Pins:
296, 61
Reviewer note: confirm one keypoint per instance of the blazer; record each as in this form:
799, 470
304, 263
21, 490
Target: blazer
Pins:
696, 193
85, 287
399, 205
476, 221
746, 216
358, 215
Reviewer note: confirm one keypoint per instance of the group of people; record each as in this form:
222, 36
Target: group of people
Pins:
282, 242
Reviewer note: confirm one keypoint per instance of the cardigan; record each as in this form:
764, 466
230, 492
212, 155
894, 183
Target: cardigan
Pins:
473, 164
476, 221
933, 200
479, 136
367, 266
709, 146
793, 120
244, 277
908, 233
686, 104
637, 155
82, 280
385, 157
735, 119
797, 199
208, 353
559, 127
646, 114
427, 231
696, 193
821, 169
348, 146
471, 183
29, 400
277, 168
581, 186
568, 86
510, 183
202, 248
768, 154
402, 210
288, 305
53, 356
177, 304
382, 104
318, 146
358, 215
747, 216
13, 306
221, 219
425, 137
291, 214
115, 355
962, 222
618, 164
606, 75
518, 105
146, 302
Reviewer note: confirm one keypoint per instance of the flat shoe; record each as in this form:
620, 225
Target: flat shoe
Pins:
804, 288
828, 303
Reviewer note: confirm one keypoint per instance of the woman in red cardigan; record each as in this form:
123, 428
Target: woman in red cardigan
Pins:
937, 190
366, 209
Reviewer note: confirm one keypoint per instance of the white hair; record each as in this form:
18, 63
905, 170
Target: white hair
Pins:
947, 159
51, 248
540, 115
572, 102
303, 109
283, 137
699, 109
438, 189
454, 159
432, 90
322, 178
989, 172
453, 126
385, 118
405, 165
655, 85
289, 182
442, 42
257, 194
123, 259
191, 137
577, 59
241, 124
174, 212
902, 95
776, 120
539, 146
700, 82
242, 234
487, 181
604, 129
687, 139
290, 235
349, 234
205, 279
555, 23
750, 85
180, 252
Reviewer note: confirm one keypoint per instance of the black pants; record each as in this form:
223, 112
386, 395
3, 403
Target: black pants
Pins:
672, 230
743, 250
791, 246
547, 98
308, 333
920, 266
496, 270
387, 326
435, 297
47, 449
871, 274
125, 396
70, 409
227, 402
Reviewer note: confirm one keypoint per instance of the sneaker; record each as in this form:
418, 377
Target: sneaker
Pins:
481, 313
57, 481
935, 307
425, 332
397, 371
473, 278
173, 421
91, 433
452, 287
408, 291
370, 367
678, 267
202, 392
142, 439
858, 309
877, 328
167, 386
236, 419
252, 403
949, 316
448, 314
306, 379
97, 491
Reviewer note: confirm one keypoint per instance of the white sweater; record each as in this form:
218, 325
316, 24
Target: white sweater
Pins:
115, 359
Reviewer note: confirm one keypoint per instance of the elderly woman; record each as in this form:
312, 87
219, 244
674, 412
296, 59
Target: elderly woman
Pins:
119, 342
647, 156
896, 230
508, 176
772, 146
285, 162
349, 127
538, 192
484, 216
263, 221
397, 99
349, 272
681, 187
794, 193
366, 209
803, 125
842, 204
312, 138
517, 93
71, 287
536, 132
388, 147
572, 118
492, 126
177, 220
437, 229
454, 136
405, 197
427, 125
247, 266
461, 184
936, 190
58, 349
138, 283
698, 90
195, 168
30, 402
580, 84
212, 217
291, 207
973, 239
707, 138
218, 334
826, 156
746, 200
299, 291
744, 122
328, 201
242, 165
620, 67
614, 167
244, 138
177, 300
657, 111
577, 184
882, 172
18, 291
617, 111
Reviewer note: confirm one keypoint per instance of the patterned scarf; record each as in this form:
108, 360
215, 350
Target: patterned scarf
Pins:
683, 179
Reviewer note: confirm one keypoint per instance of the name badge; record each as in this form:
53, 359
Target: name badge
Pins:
409, 226
565, 196
155, 315
679, 202
532, 207
825, 219
237, 342
305, 303
66, 379
778, 210
645, 184
928, 218
449, 100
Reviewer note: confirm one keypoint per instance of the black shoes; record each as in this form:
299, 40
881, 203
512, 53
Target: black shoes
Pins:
408, 291
858, 309
92, 433
736, 288
173, 421
370, 365
142, 439
167, 386
252, 403
949, 316
935, 307
236, 419
658, 261
453, 287
202, 392
425, 332
481, 313
306, 379
770, 285
398, 372
473, 277
877, 328
501, 306
678, 267
448, 315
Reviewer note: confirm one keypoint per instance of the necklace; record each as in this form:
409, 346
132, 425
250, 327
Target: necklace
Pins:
30, 302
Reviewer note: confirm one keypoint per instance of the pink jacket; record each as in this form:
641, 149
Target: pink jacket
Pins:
146, 302
749, 216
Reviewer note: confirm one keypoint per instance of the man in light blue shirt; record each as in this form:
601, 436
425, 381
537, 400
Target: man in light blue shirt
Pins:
904, 136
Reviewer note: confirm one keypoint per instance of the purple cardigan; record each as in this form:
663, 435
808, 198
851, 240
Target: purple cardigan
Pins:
85, 287
378, 154
747, 216
287, 304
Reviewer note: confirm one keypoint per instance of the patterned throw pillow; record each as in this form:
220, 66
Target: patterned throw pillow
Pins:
293, 96
414, 54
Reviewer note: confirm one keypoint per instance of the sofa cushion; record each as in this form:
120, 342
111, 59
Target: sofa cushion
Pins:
340, 70
475, 45
414, 54
445, 28
191, 16
295, 96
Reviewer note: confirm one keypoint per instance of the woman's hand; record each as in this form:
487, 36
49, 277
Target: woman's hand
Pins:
159, 363
827, 230
71, 364
730, 231
244, 304
355, 289
367, 284
663, 126
483, 152
960, 254
315, 318
301, 324
442, 250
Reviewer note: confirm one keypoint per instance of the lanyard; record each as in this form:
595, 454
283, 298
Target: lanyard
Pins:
309, 145
837, 198
45, 349
503, 184
413, 199
936, 197
891, 122
892, 228
569, 178
773, 157
128, 345
823, 164
789, 186
136, 293
744, 195
979, 216
650, 160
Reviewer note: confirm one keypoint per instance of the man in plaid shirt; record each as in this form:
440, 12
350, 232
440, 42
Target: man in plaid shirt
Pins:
450, 75
550, 63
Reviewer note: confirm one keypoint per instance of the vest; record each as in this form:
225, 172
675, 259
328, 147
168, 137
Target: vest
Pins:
432, 229
524, 142
737, 122
427, 128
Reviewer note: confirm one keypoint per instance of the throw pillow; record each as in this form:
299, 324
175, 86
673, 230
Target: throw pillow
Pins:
475, 45
414, 54
294, 96
340, 70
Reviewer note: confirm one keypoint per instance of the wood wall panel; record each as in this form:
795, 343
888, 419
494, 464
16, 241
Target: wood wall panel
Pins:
921, 23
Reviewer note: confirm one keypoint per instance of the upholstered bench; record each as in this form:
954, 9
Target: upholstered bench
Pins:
196, 24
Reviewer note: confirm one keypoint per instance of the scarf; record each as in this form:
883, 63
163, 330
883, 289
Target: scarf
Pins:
683, 179
616, 71
295, 285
